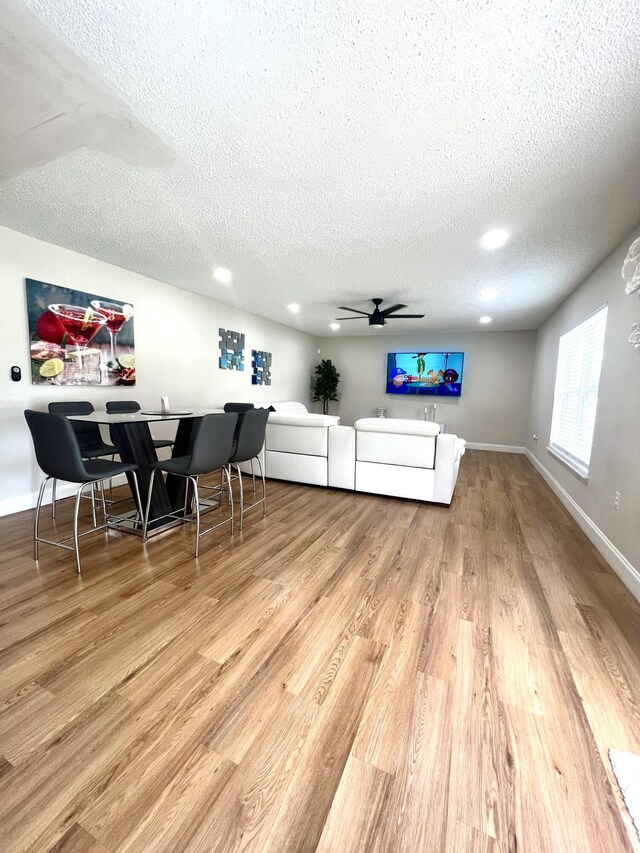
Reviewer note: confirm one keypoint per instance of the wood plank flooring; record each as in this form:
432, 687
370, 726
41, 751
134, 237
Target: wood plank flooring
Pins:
352, 673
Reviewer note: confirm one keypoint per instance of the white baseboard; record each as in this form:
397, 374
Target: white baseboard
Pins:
496, 448
28, 501
627, 573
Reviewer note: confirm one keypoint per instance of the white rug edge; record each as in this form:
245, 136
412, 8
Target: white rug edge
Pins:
626, 769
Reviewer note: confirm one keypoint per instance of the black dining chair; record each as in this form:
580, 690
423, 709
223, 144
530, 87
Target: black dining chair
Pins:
240, 409
127, 407
89, 439
211, 450
58, 453
249, 445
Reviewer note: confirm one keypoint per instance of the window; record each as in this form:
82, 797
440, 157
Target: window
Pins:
575, 399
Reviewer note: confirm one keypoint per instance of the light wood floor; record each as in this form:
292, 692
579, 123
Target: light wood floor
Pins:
352, 673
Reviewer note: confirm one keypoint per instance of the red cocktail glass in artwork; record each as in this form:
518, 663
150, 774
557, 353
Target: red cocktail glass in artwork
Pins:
80, 324
117, 315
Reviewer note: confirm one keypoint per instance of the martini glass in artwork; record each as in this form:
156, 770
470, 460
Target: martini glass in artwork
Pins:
80, 324
117, 315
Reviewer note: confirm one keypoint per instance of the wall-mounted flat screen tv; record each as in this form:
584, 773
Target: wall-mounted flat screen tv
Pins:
437, 374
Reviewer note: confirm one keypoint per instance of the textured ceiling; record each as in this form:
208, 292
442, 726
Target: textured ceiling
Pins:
328, 152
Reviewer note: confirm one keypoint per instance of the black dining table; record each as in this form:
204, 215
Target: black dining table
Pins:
131, 435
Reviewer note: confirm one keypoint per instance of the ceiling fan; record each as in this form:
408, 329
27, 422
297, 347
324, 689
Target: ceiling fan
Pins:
378, 318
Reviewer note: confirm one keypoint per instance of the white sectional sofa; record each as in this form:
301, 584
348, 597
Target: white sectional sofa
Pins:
387, 456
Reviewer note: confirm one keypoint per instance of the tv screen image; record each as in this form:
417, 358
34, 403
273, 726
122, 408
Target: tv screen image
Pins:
438, 374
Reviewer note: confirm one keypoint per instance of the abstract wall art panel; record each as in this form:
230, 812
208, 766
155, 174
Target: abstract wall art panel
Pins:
231, 350
78, 338
260, 367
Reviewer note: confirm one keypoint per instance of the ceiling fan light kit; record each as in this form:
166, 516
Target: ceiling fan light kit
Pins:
377, 318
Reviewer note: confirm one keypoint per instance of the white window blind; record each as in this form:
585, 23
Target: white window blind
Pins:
575, 399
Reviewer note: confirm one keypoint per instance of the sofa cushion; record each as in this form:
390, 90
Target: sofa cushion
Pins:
387, 448
397, 426
297, 468
396, 480
305, 440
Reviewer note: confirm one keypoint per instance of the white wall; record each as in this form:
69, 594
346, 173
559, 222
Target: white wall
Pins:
176, 337
615, 458
496, 381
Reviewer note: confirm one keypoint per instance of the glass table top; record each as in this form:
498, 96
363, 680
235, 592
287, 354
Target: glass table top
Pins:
144, 416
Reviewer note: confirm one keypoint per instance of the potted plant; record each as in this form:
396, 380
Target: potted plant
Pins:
325, 386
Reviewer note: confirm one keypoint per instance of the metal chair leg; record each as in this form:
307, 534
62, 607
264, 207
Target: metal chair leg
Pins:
230, 496
145, 522
75, 524
196, 497
113, 459
264, 488
37, 519
136, 489
253, 476
93, 504
222, 484
188, 501
53, 499
241, 496
193, 499
104, 503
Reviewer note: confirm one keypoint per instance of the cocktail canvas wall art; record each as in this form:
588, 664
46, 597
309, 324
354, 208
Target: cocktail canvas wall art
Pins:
78, 338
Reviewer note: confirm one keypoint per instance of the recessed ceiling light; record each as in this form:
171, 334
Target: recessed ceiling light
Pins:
334, 326
488, 293
222, 275
293, 307
494, 239
484, 320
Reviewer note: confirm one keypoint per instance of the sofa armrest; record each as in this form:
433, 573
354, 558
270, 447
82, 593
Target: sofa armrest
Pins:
342, 457
449, 451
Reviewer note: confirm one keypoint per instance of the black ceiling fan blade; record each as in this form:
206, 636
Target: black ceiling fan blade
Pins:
393, 308
405, 317
352, 318
355, 310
